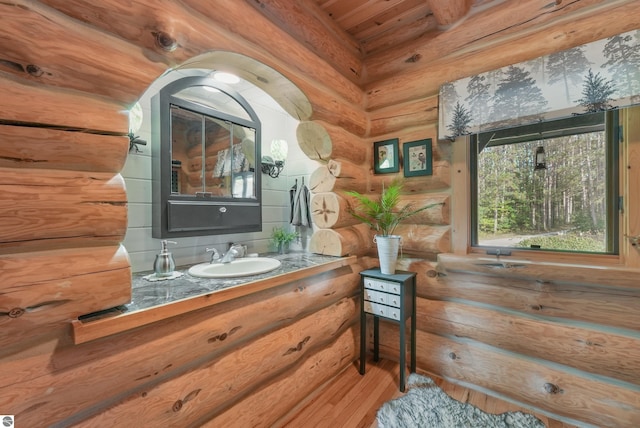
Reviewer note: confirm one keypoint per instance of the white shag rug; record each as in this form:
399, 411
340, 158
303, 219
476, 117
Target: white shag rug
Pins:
426, 405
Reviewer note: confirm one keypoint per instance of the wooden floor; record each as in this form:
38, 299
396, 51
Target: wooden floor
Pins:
352, 400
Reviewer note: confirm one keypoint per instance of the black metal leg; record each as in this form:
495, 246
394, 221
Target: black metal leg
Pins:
413, 330
363, 341
403, 353
376, 342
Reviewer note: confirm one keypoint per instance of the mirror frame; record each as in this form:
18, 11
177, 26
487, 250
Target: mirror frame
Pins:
175, 215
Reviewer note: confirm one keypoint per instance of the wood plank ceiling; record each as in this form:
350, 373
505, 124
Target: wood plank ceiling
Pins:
380, 24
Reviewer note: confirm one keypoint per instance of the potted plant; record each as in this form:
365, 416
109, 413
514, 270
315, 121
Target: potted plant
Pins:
281, 239
383, 215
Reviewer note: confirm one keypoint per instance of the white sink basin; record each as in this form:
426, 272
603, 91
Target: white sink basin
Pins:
239, 267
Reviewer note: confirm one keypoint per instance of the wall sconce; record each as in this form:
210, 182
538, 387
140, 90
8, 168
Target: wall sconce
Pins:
134, 140
540, 159
273, 165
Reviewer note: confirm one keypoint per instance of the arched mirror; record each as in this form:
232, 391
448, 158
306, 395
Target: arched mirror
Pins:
206, 139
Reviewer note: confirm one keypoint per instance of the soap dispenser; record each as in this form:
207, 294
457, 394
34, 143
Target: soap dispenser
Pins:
164, 264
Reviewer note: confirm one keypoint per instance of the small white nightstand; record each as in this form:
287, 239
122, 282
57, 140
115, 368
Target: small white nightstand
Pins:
392, 297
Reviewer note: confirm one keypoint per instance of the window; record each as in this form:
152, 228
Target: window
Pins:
549, 186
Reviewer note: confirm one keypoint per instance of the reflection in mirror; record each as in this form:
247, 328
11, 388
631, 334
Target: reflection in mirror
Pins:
226, 165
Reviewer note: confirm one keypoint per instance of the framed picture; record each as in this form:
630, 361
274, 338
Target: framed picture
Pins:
386, 156
417, 158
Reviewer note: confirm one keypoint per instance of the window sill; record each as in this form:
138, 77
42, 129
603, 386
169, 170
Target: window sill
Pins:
102, 326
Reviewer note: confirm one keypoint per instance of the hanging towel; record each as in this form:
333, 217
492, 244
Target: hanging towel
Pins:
292, 199
301, 207
307, 205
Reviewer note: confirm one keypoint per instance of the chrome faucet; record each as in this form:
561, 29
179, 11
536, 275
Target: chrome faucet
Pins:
234, 251
215, 257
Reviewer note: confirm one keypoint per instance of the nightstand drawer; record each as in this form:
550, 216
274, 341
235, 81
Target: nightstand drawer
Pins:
382, 285
382, 310
377, 296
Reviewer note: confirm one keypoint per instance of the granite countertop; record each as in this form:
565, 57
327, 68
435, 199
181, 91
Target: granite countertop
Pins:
146, 294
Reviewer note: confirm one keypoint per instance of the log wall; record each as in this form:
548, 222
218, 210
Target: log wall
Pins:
566, 345
63, 128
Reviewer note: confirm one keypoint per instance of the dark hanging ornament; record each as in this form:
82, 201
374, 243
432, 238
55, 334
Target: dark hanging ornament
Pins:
540, 159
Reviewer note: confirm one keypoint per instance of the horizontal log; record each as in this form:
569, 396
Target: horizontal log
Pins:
420, 21
351, 240
64, 55
25, 103
330, 210
273, 401
404, 115
48, 205
593, 351
420, 239
46, 309
322, 180
43, 290
536, 384
323, 142
346, 169
438, 214
28, 147
306, 21
439, 180
543, 272
158, 351
236, 374
450, 12
601, 305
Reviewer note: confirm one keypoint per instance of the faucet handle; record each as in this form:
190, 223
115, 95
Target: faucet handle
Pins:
239, 250
215, 256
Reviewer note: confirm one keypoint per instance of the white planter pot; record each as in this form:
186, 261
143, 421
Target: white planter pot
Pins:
388, 247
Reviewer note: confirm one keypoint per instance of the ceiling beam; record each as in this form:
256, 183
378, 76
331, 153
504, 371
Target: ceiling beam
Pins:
305, 21
501, 23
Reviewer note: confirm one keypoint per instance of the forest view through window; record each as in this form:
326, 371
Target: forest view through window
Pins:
547, 186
